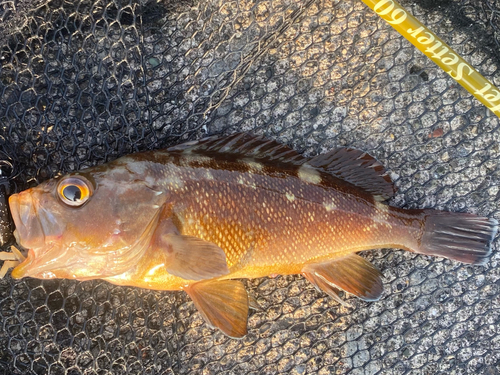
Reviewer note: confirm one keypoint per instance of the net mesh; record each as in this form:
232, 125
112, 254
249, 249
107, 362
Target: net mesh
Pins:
84, 82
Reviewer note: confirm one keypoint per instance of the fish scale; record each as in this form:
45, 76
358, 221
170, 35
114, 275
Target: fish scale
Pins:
197, 216
285, 234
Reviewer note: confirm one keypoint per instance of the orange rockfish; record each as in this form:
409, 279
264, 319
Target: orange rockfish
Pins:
197, 216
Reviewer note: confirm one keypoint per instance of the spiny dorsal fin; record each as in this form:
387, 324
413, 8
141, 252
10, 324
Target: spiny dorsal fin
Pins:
242, 144
351, 273
357, 168
351, 165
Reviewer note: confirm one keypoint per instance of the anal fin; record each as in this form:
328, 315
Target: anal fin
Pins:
351, 273
322, 285
223, 304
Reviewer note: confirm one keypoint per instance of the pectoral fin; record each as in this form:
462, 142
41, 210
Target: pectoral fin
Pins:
192, 258
223, 304
351, 273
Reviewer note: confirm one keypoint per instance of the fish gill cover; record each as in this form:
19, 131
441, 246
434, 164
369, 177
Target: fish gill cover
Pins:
84, 82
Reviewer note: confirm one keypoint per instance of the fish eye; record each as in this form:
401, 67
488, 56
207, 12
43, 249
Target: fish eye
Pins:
74, 191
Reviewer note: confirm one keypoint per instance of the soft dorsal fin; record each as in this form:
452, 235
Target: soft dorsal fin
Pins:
351, 273
242, 144
358, 168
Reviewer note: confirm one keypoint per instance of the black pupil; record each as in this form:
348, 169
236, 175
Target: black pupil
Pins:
72, 193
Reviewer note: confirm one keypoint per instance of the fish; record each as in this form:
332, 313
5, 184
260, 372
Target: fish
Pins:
202, 215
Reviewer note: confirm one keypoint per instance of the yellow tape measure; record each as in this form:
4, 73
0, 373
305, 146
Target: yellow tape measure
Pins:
438, 51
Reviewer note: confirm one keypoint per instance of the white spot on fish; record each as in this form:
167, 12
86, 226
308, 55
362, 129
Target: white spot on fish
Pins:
330, 206
158, 192
136, 167
309, 174
209, 175
290, 197
252, 164
382, 214
248, 182
191, 159
382, 206
150, 181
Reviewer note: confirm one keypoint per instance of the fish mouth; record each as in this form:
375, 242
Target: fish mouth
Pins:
29, 231
36, 230
22, 269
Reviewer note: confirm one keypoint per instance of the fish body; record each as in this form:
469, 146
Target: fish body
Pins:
196, 216
268, 221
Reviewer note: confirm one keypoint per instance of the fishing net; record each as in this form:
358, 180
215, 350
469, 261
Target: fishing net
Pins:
84, 82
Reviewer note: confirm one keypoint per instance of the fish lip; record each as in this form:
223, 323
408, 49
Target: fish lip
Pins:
22, 231
29, 231
14, 209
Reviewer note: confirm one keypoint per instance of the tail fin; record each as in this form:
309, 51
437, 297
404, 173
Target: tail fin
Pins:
458, 236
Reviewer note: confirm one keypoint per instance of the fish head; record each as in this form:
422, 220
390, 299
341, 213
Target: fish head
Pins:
86, 225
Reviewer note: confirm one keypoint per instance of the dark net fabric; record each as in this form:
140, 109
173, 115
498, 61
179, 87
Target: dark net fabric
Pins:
84, 82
